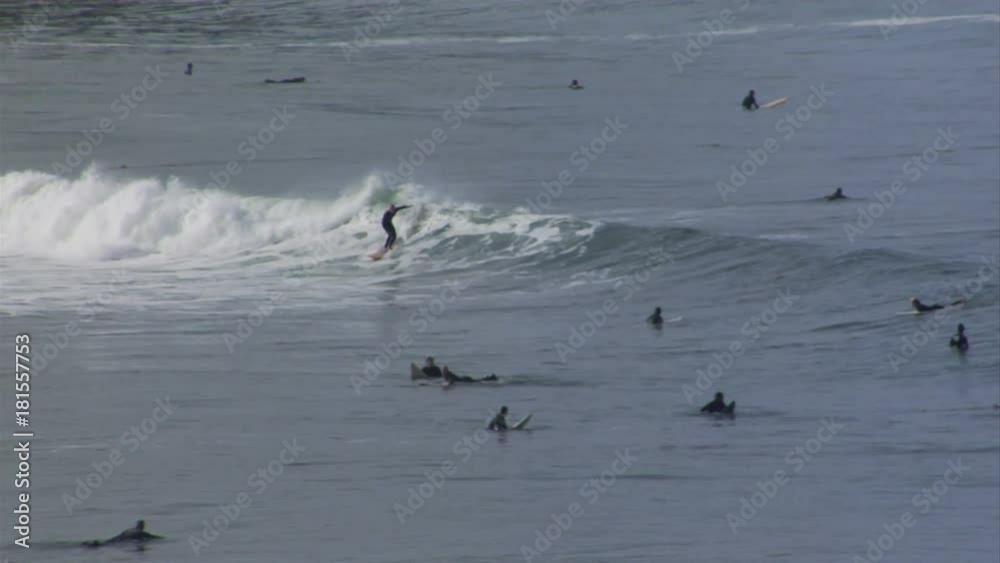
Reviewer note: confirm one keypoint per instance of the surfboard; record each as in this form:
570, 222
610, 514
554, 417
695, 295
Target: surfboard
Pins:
377, 255
416, 373
522, 423
774, 103
675, 319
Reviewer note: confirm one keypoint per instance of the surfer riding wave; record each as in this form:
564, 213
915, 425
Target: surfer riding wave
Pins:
387, 225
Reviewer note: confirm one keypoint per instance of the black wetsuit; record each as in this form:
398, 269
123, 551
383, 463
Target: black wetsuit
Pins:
387, 225
924, 308
959, 341
452, 378
750, 102
499, 422
432, 372
718, 405
655, 319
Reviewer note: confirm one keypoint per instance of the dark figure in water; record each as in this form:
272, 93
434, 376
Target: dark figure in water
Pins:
839, 194
452, 378
136, 534
190, 69
431, 370
921, 308
298, 80
387, 225
656, 319
575, 85
499, 421
750, 102
959, 341
719, 406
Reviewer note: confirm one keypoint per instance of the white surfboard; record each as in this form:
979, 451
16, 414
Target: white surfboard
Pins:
675, 320
522, 423
774, 103
375, 256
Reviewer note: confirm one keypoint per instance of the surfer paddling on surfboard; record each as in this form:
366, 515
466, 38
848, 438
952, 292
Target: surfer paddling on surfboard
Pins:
719, 406
387, 225
921, 308
839, 194
750, 102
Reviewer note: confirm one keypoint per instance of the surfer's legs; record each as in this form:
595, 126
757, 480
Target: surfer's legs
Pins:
391, 238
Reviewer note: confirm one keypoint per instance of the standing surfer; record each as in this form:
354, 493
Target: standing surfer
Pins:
387, 225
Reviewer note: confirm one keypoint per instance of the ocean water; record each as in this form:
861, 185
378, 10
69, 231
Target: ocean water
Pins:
212, 351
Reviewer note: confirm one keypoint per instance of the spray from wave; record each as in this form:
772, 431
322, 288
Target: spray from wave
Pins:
102, 216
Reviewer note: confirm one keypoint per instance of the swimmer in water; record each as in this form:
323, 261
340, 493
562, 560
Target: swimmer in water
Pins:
575, 85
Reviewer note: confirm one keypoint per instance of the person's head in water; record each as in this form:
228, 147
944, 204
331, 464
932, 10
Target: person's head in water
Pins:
751, 93
718, 396
914, 301
503, 410
575, 83
961, 328
140, 525
657, 312
839, 191
430, 362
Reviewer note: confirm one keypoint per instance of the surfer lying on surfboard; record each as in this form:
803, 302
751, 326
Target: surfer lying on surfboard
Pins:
387, 225
839, 194
921, 308
430, 370
452, 378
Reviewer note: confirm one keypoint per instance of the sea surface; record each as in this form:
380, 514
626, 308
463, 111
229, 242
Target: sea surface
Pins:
211, 349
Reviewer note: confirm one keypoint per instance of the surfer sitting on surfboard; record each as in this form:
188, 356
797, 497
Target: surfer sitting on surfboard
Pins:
430, 370
749, 102
452, 378
959, 341
387, 225
839, 194
656, 319
921, 308
719, 405
499, 421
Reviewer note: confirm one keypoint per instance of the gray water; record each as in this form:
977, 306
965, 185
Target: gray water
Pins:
252, 312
